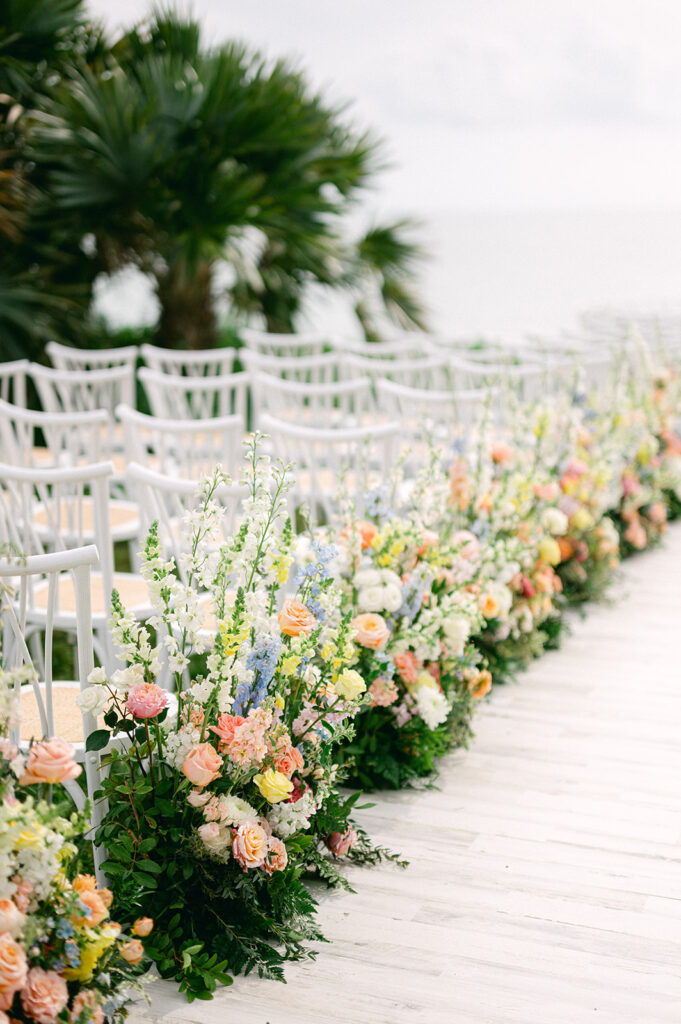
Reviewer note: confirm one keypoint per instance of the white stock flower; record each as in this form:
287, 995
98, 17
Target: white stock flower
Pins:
554, 521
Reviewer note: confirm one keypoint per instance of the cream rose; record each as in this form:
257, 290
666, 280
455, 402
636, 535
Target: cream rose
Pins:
349, 684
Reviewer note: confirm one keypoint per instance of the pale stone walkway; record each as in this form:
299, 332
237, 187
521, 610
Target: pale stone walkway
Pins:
545, 877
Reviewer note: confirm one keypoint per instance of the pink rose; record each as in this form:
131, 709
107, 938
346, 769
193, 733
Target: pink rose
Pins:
295, 618
44, 996
13, 969
371, 630
197, 799
86, 1002
50, 761
277, 857
146, 700
249, 845
202, 765
408, 666
468, 544
340, 843
11, 918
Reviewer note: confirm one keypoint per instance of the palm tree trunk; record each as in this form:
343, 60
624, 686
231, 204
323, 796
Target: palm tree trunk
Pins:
187, 306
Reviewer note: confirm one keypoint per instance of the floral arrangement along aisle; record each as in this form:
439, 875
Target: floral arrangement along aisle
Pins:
222, 795
63, 957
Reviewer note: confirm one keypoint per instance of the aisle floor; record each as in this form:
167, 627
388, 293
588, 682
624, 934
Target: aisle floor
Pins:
544, 884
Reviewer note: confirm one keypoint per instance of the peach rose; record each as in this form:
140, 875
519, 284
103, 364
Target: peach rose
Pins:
86, 1004
371, 629
480, 686
106, 896
143, 926
225, 728
288, 760
467, 542
11, 918
249, 845
97, 911
13, 969
295, 618
44, 996
202, 765
132, 951
146, 700
501, 453
407, 665
340, 843
367, 532
50, 761
277, 857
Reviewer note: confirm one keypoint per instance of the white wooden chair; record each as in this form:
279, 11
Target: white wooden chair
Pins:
343, 403
65, 357
213, 362
327, 368
68, 439
333, 464
438, 417
44, 510
182, 448
47, 706
430, 371
195, 398
13, 381
284, 345
406, 345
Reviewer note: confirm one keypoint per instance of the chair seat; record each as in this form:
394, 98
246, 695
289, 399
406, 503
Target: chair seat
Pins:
68, 720
132, 589
78, 517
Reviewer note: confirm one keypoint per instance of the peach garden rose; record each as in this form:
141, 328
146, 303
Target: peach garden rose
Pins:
296, 619
202, 765
50, 762
371, 630
44, 995
13, 969
249, 845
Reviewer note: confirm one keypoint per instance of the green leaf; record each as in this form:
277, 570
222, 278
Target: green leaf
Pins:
97, 740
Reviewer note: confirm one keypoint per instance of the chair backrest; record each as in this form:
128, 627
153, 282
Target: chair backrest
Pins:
13, 381
408, 345
72, 391
65, 357
213, 362
417, 372
334, 463
327, 368
167, 501
182, 448
285, 345
342, 403
427, 415
195, 398
44, 439
55, 509
26, 647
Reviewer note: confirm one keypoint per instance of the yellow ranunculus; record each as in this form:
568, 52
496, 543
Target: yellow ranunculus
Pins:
349, 684
549, 551
581, 519
273, 785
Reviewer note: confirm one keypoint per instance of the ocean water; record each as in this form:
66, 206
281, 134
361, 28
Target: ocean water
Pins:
504, 274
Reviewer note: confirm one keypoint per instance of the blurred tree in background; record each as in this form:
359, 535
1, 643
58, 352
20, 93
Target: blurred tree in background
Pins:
159, 153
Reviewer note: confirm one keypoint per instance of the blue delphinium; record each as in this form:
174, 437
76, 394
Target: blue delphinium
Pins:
376, 503
262, 661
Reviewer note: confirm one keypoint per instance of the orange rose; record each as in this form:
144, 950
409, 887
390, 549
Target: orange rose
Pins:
84, 883
480, 686
13, 969
295, 618
93, 902
132, 951
202, 765
565, 547
143, 926
50, 761
371, 629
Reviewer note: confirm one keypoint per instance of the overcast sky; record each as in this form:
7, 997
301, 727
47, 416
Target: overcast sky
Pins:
487, 104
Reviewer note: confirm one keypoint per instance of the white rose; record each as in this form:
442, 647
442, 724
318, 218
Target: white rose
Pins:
390, 578
554, 521
368, 578
392, 597
92, 700
98, 675
370, 599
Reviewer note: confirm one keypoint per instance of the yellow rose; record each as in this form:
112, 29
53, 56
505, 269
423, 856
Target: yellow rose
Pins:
273, 785
582, 520
425, 679
549, 551
349, 684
